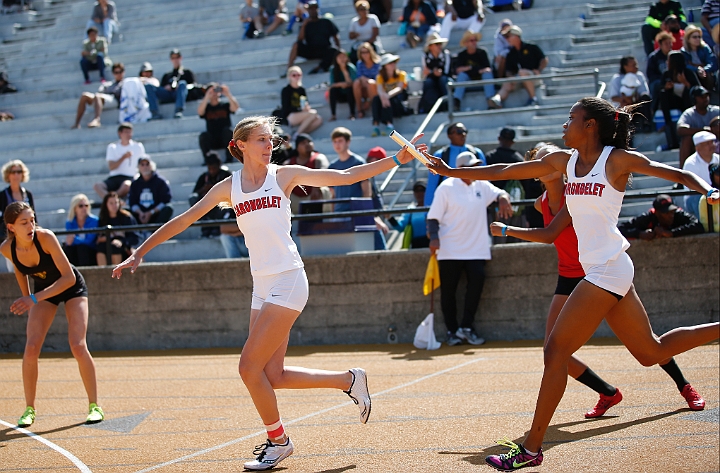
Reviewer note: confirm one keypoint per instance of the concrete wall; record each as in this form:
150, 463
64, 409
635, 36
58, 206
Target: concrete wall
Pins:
355, 298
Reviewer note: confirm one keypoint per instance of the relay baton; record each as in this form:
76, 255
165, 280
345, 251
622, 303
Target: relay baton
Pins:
400, 139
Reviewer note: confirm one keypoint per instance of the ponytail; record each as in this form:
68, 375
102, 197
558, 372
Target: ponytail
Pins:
614, 125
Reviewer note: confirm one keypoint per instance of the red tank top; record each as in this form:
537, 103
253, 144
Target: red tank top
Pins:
566, 243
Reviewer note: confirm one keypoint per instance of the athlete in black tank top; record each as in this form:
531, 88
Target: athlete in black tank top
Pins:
55, 281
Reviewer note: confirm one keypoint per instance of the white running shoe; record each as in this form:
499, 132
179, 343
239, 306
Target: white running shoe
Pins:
470, 336
269, 455
359, 393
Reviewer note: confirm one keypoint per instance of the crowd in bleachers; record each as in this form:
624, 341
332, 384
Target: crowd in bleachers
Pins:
681, 73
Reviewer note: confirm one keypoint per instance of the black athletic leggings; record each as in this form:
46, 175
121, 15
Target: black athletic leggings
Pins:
450, 271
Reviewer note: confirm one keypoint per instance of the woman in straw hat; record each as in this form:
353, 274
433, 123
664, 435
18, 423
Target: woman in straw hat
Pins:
472, 63
436, 71
391, 91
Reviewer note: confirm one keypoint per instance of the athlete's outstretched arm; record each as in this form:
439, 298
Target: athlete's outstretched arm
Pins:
540, 235
218, 194
291, 176
550, 163
638, 163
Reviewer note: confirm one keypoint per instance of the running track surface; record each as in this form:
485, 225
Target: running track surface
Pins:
441, 411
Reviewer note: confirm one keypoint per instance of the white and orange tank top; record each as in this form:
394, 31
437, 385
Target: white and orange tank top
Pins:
594, 205
264, 218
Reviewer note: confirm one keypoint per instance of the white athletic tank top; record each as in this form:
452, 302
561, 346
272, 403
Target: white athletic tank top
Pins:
264, 218
594, 205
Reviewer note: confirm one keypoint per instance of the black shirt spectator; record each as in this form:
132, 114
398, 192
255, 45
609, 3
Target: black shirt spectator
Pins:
664, 220
477, 61
218, 125
529, 56
150, 194
314, 40
207, 180
290, 99
465, 8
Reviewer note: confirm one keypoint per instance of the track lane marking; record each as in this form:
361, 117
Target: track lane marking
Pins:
76, 461
299, 419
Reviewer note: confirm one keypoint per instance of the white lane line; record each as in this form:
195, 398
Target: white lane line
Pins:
299, 419
81, 466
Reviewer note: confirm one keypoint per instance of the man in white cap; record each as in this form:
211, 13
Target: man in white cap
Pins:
524, 59
458, 231
698, 163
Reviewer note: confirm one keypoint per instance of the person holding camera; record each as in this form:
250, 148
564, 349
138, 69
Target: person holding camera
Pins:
216, 114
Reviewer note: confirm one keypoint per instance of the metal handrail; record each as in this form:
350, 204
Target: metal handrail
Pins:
599, 90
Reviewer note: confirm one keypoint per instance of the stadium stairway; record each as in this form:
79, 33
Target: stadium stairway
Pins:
40, 51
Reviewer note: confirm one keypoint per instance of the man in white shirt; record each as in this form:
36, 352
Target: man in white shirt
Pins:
698, 163
122, 158
458, 232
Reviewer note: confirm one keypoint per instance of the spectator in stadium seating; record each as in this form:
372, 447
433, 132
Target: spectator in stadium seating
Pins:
472, 63
675, 94
94, 52
295, 106
382, 9
273, 13
313, 41
341, 137
80, 248
457, 230
700, 57
342, 77
305, 155
214, 174
698, 163
695, 119
663, 220
218, 127
364, 28
437, 66
231, 238
5, 86
525, 60
653, 22
14, 172
108, 95
365, 87
671, 25
122, 242
457, 134
710, 18
122, 159
715, 129
630, 87
173, 87
284, 150
704, 209
251, 19
150, 194
418, 17
413, 225
501, 48
462, 15
656, 67
391, 92
104, 18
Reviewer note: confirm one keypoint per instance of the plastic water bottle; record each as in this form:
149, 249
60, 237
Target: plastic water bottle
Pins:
303, 102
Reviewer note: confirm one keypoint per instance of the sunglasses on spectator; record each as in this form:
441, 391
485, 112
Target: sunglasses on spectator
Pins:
118, 71
17, 171
471, 40
175, 57
143, 163
460, 131
296, 75
83, 205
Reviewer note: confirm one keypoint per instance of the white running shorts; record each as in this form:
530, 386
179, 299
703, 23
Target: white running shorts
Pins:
615, 276
287, 289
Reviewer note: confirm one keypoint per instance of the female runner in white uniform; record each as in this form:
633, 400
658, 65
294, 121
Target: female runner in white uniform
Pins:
259, 195
598, 173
